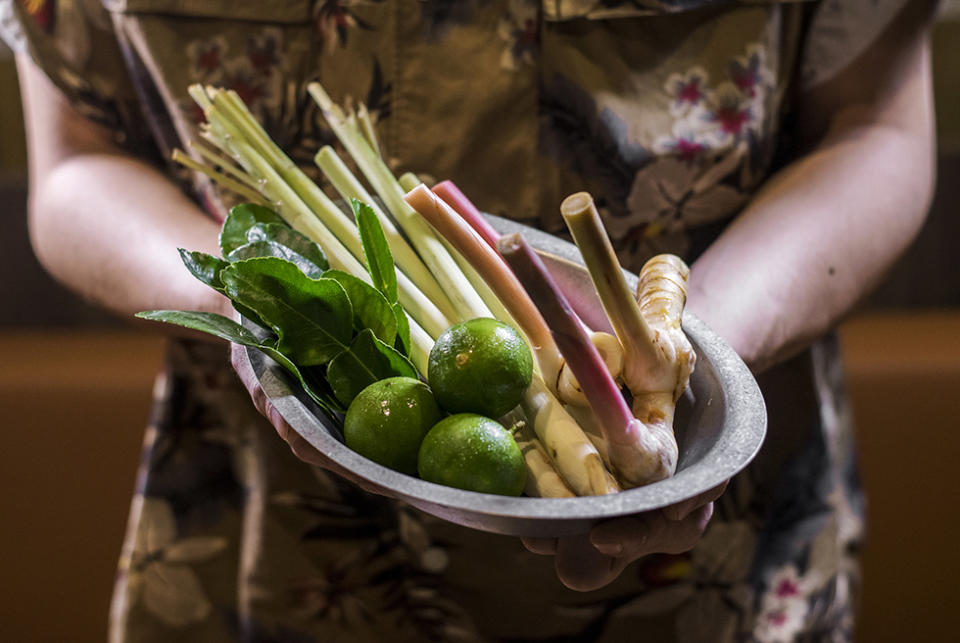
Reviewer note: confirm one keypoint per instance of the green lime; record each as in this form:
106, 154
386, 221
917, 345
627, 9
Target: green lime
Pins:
472, 452
387, 420
480, 366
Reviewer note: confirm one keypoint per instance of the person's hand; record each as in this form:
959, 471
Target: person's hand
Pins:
297, 443
592, 561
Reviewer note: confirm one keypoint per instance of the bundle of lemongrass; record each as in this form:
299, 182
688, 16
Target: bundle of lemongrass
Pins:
578, 433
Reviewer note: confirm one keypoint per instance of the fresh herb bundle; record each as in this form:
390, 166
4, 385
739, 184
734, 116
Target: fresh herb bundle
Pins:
335, 332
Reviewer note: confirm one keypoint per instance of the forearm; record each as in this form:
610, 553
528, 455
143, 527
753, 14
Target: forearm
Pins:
824, 231
815, 240
105, 224
108, 227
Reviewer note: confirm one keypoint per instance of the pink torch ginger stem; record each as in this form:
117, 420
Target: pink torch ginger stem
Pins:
583, 358
452, 196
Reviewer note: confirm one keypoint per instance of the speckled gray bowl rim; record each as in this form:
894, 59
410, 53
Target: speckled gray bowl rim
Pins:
739, 440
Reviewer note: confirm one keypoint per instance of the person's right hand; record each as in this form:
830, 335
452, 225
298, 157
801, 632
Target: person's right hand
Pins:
297, 443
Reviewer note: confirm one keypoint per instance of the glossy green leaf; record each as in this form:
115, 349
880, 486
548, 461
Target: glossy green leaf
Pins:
376, 251
226, 328
242, 217
370, 309
287, 236
265, 248
368, 360
204, 267
207, 269
312, 318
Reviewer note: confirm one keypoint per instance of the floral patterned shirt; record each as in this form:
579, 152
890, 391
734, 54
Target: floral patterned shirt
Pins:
671, 112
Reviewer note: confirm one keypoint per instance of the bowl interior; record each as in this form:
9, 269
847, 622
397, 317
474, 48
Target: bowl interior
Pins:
720, 424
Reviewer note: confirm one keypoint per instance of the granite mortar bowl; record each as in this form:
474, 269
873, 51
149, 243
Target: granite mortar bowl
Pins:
720, 424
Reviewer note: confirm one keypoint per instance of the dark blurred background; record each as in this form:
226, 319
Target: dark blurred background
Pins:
75, 385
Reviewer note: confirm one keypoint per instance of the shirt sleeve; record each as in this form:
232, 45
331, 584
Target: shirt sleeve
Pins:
841, 30
73, 43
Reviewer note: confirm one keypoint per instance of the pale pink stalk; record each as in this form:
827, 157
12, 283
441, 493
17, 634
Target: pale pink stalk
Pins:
658, 358
568, 387
452, 196
583, 358
495, 272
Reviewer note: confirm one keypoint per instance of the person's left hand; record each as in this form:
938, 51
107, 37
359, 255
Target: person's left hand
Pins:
595, 560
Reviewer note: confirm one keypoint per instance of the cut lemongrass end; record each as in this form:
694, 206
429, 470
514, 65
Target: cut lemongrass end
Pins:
432, 251
240, 189
409, 180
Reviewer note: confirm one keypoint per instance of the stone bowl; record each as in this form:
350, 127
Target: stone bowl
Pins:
720, 425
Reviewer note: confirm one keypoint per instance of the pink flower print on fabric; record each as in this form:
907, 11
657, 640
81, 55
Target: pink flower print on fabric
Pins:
784, 607
263, 50
687, 90
730, 113
520, 30
750, 73
335, 19
206, 58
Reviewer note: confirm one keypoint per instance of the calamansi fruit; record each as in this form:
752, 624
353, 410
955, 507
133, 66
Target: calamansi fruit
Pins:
388, 420
480, 366
472, 452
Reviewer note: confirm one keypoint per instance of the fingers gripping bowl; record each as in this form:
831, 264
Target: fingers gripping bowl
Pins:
720, 424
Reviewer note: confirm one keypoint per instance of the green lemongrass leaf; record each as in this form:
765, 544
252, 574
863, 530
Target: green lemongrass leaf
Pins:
403, 329
368, 360
287, 236
274, 249
226, 328
376, 251
312, 318
242, 217
370, 308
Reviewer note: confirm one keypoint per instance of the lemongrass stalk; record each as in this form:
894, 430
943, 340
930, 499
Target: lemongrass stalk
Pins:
543, 481
465, 300
200, 96
368, 129
408, 181
295, 212
618, 302
409, 263
576, 459
622, 432
292, 208
496, 273
225, 164
240, 189
227, 132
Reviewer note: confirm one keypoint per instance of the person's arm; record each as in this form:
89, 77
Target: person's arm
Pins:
108, 226
822, 233
105, 224
814, 241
